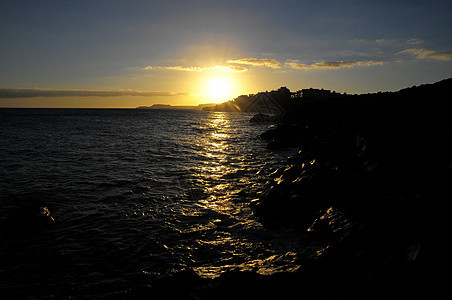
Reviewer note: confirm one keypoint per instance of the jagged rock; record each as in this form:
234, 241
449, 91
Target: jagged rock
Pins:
268, 134
292, 172
262, 118
331, 222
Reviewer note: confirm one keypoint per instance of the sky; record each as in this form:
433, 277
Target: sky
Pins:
114, 53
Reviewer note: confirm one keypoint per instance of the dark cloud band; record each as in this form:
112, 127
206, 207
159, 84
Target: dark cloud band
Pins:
32, 93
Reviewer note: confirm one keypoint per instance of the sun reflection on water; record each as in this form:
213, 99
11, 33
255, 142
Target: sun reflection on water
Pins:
215, 145
177, 201
223, 173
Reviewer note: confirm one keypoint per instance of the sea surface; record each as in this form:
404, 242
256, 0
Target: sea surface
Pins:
97, 202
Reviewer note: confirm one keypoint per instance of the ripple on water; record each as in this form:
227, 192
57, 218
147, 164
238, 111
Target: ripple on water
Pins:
135, 194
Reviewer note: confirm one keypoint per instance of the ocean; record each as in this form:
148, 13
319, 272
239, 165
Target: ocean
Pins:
95, 203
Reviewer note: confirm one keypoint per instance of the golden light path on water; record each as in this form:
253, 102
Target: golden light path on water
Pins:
221, 198
216, 145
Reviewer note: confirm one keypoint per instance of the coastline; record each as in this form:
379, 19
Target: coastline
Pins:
365, 187
363, 201
369, 179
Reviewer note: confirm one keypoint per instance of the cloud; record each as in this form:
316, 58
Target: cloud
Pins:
271, 63
199, 69
31, 93
381, 41
294, 64
426, 54
414, 41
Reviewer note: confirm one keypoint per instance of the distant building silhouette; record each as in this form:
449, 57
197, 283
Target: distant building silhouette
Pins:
284, 90
313, 93
271, 102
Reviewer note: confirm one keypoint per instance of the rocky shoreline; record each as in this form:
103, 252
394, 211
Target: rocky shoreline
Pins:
367, 184
368, 187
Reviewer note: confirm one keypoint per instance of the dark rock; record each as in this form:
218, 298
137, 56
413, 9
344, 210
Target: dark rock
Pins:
297, 159
268, 134
331, 223
292, 172
366, 186
275, 145
262, 118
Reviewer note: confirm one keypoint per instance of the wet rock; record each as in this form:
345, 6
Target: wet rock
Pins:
278, 144
281, 203
268, 134
262, 118
331, 222
291, 172
412, 252
297, 159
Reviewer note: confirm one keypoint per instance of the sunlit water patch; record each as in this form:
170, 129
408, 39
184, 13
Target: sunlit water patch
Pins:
134, 194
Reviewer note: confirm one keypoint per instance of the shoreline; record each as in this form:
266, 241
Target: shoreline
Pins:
363, 199
365, 186
370, 176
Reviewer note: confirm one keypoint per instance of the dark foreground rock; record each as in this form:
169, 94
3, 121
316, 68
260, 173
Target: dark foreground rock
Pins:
367, 184
262, 118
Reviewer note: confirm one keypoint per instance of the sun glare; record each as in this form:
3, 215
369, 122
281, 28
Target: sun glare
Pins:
219, 90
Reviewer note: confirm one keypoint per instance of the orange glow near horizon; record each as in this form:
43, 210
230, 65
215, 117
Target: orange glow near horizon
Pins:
179, 89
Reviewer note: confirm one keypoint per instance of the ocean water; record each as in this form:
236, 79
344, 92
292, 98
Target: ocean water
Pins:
134, 195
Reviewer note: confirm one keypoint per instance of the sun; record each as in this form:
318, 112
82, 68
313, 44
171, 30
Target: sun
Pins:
219, 89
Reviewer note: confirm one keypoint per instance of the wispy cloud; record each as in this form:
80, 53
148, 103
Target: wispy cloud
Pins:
31, 93
265, 62
414, 41
294, 64
271, 63
199, 69
426, 54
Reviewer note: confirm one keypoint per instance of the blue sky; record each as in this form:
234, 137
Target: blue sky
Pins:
175, 47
